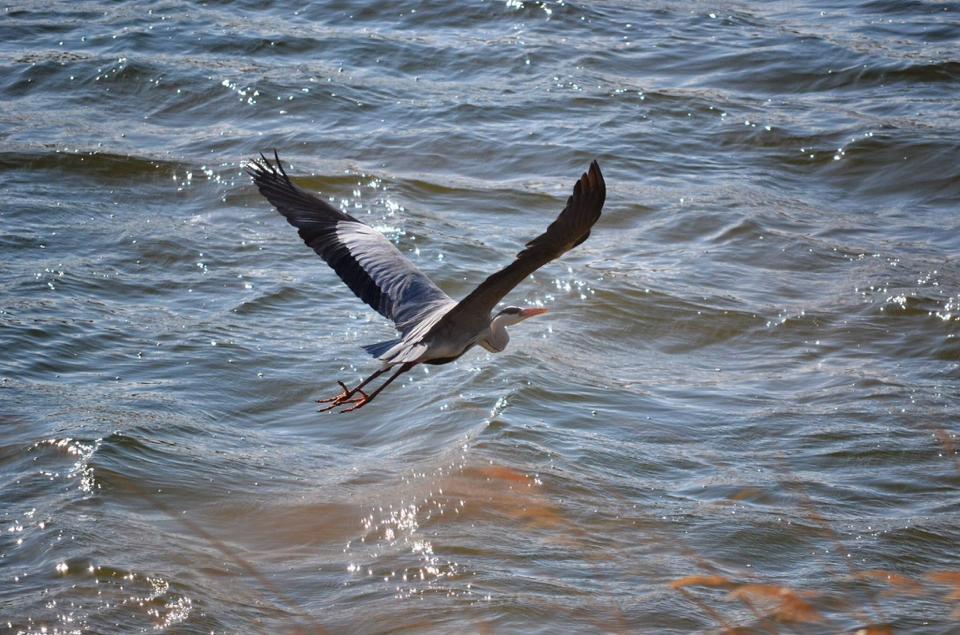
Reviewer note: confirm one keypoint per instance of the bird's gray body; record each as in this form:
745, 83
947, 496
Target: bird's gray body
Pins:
421, 344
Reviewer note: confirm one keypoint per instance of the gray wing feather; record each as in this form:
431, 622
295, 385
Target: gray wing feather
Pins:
571, 228
365, 260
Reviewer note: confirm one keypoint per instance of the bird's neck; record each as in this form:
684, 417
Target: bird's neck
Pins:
498, 337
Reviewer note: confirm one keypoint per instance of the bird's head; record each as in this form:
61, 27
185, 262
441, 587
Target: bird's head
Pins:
511, 315
498, 337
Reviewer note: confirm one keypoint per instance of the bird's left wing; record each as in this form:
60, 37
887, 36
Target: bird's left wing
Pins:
571, 228
365, 260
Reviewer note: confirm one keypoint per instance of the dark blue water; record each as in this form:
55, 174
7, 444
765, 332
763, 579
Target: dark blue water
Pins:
740, 413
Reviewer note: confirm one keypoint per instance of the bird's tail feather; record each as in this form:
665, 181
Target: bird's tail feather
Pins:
380, 348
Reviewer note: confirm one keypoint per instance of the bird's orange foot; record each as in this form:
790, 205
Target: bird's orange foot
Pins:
358, 403
342, 398
344, 394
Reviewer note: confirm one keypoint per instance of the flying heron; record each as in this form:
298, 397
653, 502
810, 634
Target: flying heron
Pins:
433, 328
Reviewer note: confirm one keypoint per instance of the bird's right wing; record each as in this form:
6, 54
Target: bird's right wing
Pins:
365, 260
571, 228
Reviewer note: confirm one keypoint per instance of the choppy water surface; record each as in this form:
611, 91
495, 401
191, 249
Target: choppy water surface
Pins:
740, 413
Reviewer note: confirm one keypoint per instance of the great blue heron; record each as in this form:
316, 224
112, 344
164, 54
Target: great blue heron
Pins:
434, 328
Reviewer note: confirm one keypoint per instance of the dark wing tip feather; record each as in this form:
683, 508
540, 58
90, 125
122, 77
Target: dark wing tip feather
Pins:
573, 224
364, 259
296, 204
570, 229
595, 181
263, 170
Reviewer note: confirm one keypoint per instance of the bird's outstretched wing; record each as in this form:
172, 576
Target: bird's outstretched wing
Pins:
571, 228
364, 259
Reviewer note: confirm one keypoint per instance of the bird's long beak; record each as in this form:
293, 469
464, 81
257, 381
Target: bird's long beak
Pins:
529, 313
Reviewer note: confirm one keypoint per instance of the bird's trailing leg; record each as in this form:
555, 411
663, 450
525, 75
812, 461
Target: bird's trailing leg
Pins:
346, 393
360, 402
